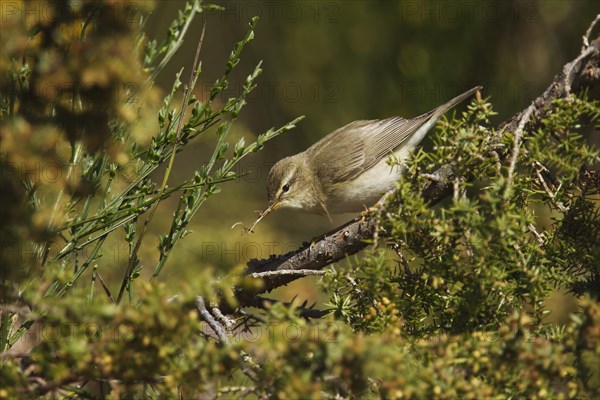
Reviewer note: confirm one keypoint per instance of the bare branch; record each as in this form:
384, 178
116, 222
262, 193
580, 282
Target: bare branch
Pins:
106, 289
515, 153
223, 319
569, 68
303, 272
588, 33
329, 248
210, 320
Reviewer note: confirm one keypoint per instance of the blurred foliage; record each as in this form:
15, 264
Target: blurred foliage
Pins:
157, 350
61, 95
113, 184
457, 309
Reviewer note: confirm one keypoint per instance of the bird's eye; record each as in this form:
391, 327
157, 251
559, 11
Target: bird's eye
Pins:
285, 188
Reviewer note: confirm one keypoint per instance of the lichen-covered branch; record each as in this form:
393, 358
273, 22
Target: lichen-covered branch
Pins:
316, 255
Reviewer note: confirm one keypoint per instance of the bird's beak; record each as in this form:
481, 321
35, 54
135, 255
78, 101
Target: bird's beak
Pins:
272, 207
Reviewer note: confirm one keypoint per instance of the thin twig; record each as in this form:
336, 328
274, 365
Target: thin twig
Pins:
380, 206
45, 249
106, 290
517, 142
569, 68
303, 272
183, 107
234, 389
588, 33
152, 211
250, 368
225, 320
538, 236
173, 49
210, 320
551, 195
403, 261
352, 281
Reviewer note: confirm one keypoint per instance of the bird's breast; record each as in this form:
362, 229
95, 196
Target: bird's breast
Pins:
366, 189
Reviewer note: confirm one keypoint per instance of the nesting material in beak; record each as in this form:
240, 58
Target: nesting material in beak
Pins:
273, 206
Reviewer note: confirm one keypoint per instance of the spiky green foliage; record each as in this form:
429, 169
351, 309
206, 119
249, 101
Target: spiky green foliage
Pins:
467, 263
502, 242
454, 308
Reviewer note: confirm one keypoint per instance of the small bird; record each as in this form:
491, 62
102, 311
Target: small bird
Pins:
347, 170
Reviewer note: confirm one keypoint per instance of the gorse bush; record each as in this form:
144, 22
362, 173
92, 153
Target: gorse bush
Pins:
449, 301
467, 264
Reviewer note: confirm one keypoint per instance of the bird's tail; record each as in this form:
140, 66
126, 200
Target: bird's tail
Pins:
450, 104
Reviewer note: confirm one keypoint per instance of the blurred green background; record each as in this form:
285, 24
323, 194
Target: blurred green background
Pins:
339, 61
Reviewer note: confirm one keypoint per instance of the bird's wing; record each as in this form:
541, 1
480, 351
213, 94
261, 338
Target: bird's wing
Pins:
337, 161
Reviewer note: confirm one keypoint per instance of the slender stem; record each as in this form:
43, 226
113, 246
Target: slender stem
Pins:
129, 214
515, 153
193, 76
45, 249
176, 45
